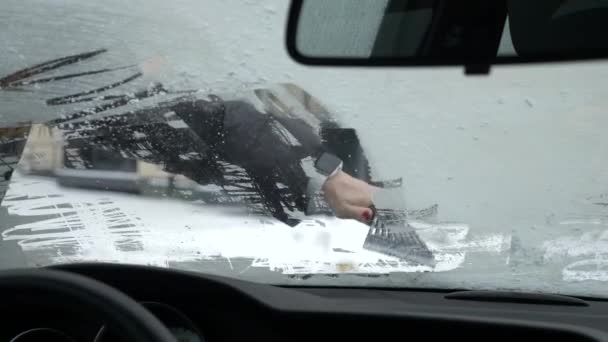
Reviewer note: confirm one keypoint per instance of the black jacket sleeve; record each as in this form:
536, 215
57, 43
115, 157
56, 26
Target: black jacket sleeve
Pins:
265, 141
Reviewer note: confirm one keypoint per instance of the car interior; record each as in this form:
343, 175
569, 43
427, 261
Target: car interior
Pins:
82, 300
118, 302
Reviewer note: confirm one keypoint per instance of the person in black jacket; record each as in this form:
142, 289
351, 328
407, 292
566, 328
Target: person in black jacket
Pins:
234, 132
246, 137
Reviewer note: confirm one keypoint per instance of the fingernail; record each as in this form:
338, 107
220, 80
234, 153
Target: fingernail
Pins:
366, 215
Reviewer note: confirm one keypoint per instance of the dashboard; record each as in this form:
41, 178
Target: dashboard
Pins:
198, 307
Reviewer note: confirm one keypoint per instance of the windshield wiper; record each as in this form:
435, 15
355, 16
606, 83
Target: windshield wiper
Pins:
516, 297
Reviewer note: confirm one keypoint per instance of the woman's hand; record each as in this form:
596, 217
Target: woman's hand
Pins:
350, 197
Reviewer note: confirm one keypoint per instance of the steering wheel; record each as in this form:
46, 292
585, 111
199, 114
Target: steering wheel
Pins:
117, 309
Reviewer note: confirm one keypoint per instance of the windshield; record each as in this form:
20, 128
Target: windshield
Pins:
180, 134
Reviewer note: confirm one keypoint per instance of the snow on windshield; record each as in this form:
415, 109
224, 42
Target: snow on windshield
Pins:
516, 162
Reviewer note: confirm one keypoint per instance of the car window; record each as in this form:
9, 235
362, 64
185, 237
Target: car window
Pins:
506, 47
364, 28
358, 18
502, 177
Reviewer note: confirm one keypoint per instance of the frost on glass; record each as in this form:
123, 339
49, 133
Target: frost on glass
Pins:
517, 161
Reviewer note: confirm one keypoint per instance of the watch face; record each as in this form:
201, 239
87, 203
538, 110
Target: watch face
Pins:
327, 163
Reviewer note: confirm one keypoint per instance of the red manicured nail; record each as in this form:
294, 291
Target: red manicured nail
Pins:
367, 215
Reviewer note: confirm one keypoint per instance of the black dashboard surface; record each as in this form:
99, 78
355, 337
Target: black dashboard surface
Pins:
224, 309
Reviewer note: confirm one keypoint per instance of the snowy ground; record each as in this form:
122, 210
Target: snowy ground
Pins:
520, 153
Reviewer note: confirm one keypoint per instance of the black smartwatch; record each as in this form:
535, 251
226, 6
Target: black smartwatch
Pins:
328, 164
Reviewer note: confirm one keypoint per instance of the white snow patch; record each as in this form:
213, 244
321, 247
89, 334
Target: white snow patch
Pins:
96, 224
591, 246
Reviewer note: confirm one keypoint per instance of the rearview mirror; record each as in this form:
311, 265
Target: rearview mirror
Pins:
472, 33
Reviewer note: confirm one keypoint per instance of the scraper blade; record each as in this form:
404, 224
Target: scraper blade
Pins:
390, 234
